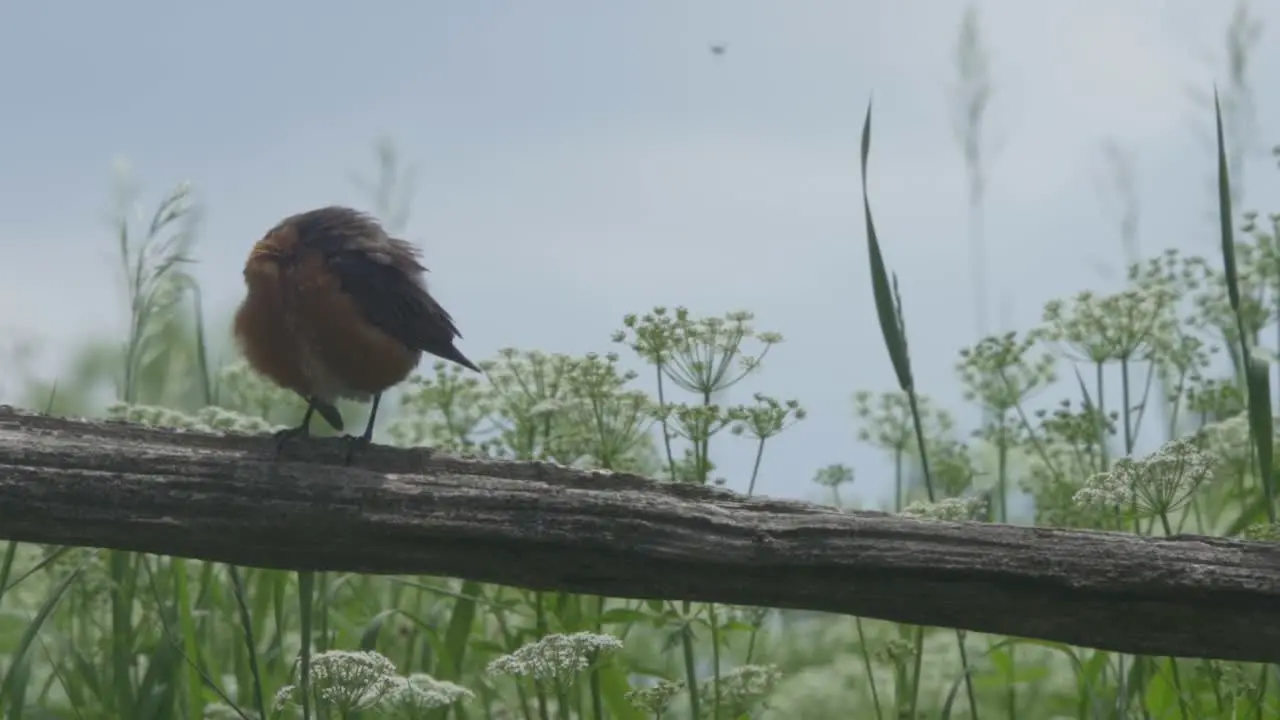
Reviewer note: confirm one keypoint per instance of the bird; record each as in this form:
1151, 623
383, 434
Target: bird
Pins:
718, 49
337, 308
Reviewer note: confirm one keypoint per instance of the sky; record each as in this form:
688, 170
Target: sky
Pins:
578, 161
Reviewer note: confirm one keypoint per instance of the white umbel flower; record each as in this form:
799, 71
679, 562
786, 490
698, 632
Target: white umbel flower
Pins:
556, 656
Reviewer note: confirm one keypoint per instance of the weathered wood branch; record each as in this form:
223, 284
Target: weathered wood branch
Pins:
541, 526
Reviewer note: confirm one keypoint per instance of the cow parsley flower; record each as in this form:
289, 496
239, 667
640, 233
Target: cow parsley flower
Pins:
414, 695
953, 509
654, 699
349, 681
742, 688
1153, 486
555, 657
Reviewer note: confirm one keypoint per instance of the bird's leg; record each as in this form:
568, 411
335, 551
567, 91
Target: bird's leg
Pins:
301, 431
359, 442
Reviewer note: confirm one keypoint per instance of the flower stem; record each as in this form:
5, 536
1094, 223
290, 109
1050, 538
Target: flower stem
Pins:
690, 671
871, 675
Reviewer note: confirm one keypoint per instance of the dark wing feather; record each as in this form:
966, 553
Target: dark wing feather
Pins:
382, 275
397, 304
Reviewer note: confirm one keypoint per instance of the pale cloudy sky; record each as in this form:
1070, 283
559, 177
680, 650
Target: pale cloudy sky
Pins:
581, 160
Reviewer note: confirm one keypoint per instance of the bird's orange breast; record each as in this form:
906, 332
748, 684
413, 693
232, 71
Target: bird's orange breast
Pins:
264, 330
298, 327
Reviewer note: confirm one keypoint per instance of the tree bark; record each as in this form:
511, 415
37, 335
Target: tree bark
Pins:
548, 527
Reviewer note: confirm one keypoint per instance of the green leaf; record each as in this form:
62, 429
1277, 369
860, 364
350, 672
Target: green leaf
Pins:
1255, 510
621, 616
1087, 674
613, 688
369, 636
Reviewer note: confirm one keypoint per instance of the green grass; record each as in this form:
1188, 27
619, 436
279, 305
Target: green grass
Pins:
104, 634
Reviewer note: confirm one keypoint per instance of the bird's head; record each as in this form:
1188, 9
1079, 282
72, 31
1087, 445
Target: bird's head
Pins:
334, 233
276, 250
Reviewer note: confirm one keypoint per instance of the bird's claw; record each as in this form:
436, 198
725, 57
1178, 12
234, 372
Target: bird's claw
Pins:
355, 443
284, 436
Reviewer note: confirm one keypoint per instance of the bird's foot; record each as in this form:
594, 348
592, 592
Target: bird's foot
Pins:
284, 436
355, 444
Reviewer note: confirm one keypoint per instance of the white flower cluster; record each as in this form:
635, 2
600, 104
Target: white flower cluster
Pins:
245, 388
1228, 438
414, 695
1263, 532
954, 509
1109, 327
895, 652
347, 679
154, 416
742, 687
655, 698
220, 419
555, 656
1154, 485
353, 681
209, 419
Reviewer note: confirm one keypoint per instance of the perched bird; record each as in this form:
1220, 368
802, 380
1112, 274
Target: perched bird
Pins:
336, 308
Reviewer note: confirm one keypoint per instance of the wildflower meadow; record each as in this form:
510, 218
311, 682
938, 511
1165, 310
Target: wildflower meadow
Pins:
1176, 356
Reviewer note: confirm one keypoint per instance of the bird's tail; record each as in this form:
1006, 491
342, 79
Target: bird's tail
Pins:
454, 354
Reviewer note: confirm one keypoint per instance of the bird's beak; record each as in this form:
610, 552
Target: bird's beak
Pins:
262, 252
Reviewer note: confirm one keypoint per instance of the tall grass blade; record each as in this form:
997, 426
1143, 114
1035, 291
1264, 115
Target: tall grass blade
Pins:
953, 692
890, 321
1260, 423
461, 620
20, 672
1225, 225
1257, 381
246, 624
888, 301
187, 625
13, 688
53, 396
157, 691
123, 569
458, 635
202, 348
306, 598
6, 566
44, 562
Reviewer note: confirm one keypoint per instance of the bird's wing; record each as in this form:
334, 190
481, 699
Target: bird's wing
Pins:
393, 301
382, 276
